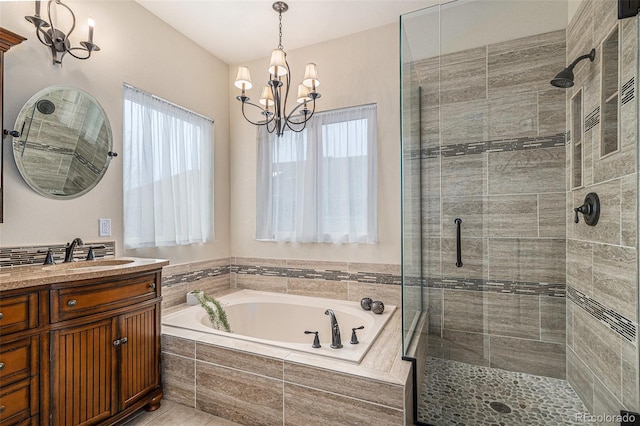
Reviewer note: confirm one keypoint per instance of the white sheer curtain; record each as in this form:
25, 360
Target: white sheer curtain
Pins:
168, 173
319, 185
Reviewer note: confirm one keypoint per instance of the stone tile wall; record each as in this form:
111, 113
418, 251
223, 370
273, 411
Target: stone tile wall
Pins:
602, 261
333, 280
493, 154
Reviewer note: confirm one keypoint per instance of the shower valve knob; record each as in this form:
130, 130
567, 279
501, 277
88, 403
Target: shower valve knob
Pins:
590, 209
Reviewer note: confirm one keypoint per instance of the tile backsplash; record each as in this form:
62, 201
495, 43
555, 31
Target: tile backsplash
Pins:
28, 255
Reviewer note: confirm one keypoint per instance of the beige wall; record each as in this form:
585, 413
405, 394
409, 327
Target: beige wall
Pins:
354, 70
141, 50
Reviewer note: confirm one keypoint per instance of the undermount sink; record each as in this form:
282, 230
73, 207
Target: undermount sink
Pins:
90, 264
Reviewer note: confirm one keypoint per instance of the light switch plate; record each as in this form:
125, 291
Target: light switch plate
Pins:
104, 229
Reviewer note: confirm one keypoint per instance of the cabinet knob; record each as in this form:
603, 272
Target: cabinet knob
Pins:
2, 408
152, 286
124, 340
1, 315
1, 366
71, 303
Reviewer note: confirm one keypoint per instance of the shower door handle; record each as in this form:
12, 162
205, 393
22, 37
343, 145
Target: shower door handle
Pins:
458, 221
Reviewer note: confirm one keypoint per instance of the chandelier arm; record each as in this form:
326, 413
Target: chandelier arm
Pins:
289, 120
252, 122
272, 129
286, 94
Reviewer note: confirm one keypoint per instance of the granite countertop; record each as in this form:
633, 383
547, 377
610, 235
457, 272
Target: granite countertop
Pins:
18, 277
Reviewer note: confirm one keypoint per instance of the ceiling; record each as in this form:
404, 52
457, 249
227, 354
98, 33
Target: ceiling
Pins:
238, 31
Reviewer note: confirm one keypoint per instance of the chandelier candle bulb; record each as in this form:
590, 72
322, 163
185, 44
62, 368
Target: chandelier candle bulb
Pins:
243, 79
303, 93
278, 64
266, 98
37, 8
311, 76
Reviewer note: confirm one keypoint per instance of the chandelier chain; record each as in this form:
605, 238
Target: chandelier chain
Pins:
280, 31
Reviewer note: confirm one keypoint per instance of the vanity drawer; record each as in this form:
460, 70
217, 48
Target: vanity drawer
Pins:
18, 401
86, 300
18, 313
18, 360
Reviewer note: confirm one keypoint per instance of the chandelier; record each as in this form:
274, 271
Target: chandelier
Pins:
273, 100
57, 40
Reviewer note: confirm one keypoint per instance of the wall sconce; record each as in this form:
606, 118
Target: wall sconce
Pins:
57, 40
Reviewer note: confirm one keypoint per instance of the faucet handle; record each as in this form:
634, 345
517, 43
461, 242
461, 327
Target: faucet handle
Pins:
316, 340
49, 258
90, 254
354, 338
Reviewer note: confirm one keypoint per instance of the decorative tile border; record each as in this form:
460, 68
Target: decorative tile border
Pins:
28, 255
592, 119
187, 277
327, 275
614, 320
499, 286
628, 91
480, 147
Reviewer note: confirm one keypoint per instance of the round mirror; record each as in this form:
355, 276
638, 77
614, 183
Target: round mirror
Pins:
64, 143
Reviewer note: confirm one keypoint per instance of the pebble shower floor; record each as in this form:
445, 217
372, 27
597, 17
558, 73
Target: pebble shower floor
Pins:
455, 393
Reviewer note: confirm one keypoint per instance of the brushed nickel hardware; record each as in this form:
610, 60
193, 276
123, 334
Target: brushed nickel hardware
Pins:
71, 303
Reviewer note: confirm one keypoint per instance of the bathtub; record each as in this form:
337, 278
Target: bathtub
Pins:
280, 320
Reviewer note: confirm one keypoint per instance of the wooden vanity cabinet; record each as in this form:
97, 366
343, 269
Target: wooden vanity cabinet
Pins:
20, 351
90, 356
105, 349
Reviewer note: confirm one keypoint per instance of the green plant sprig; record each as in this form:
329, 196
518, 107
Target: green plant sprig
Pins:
217, 316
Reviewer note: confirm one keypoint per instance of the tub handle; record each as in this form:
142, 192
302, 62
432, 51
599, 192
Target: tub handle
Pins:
354, 338
316, 340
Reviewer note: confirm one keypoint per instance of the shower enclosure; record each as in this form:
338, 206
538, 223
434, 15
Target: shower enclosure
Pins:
494, 161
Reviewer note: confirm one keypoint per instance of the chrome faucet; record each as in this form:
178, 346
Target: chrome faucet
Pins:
68, 251
336, 341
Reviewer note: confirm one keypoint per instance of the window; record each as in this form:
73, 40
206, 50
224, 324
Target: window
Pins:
319, 185
168, 173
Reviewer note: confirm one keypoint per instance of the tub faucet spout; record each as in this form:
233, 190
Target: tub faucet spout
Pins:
336, 341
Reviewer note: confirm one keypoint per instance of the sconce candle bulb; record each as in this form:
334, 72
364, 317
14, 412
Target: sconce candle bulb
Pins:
92, 25
55, 39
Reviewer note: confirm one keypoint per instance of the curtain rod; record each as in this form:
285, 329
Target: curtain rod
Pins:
167, 102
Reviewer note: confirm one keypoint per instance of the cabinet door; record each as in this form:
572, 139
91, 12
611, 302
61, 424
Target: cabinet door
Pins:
84, 368
140, 355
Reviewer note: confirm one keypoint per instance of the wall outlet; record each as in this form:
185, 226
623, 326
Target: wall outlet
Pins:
104, 229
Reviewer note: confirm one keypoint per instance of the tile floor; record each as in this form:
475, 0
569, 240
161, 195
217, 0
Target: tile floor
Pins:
173, 414
455, 393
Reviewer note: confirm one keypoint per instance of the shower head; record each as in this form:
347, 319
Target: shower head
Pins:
564, 79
